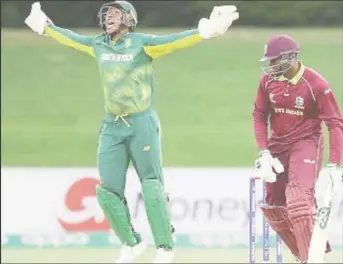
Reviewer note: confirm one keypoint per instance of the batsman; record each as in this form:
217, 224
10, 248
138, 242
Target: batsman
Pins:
130, 129
293, 101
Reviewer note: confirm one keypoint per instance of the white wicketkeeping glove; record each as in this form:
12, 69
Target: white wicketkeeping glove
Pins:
267, 167
220, 20
37, 19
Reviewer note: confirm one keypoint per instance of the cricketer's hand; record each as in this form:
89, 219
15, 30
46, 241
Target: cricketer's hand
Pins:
220, 20
37, 19
267, 167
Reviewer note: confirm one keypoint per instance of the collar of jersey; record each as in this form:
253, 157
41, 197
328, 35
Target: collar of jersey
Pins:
297, 77
110, 41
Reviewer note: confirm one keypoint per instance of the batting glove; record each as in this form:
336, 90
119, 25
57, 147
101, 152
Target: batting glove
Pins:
267, 167
37, 19
335, 173
220, 20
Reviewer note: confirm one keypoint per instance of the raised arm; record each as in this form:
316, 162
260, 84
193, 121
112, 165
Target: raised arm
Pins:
71, 39
39, 22
157, 46
220, 20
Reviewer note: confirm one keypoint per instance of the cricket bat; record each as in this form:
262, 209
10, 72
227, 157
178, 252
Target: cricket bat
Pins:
320, 233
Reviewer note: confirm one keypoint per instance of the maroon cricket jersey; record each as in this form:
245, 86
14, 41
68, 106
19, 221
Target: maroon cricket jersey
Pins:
295, 109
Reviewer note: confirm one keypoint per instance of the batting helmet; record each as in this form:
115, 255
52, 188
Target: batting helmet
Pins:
130, 18
280, 54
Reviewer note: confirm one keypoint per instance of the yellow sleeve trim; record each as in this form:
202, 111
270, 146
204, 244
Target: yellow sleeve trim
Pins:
161, 50
69, 42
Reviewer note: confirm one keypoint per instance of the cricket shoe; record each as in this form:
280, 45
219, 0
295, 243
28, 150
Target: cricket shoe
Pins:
163, 256
129, 254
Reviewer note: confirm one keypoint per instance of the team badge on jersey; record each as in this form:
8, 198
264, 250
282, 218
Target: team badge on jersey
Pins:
299, 102
271, 98
127, 43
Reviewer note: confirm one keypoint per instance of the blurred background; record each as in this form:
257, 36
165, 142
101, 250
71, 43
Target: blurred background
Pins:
52, 106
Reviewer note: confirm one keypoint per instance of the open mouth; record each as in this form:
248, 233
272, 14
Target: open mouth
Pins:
109, 23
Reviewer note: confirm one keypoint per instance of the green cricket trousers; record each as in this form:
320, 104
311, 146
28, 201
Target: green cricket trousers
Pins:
135, 138
123, 138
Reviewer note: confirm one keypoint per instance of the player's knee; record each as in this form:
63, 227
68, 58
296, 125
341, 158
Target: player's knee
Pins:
153, 189
112, 182
276, 216
150, 176
153, 174
152, 183
112, 189
299, 201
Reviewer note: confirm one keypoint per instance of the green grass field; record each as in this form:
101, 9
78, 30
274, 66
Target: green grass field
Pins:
52, 102
182, 255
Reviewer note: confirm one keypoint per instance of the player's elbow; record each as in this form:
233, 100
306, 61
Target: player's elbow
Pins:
259, 117
334, 123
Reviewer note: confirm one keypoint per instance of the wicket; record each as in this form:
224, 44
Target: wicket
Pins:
265, 229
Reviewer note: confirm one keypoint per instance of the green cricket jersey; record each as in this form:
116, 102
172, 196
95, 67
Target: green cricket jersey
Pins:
126, 65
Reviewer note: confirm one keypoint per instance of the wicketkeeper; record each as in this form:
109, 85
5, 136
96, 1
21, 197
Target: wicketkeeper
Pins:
131, 129
295, 100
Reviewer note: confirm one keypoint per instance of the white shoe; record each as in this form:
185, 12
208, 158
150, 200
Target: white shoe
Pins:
129, 254
163, 256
